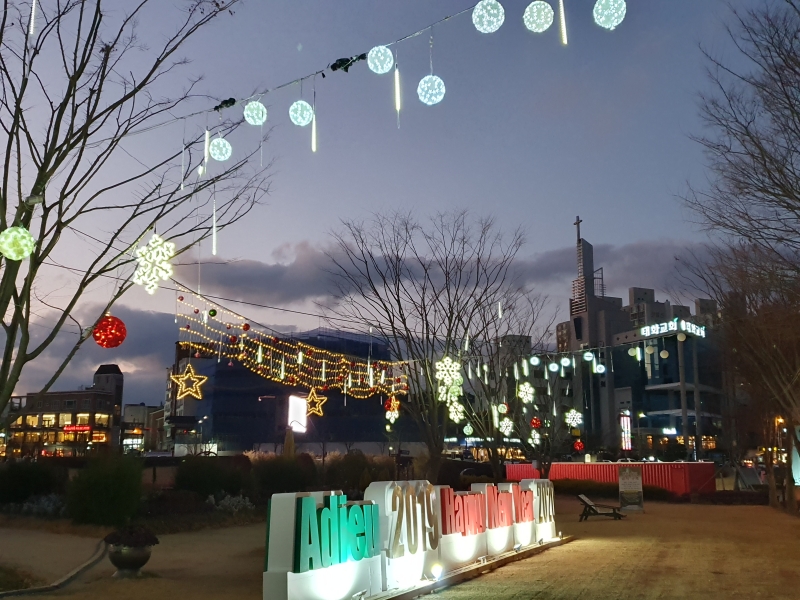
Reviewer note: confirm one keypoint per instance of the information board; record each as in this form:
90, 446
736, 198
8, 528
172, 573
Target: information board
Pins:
631, 496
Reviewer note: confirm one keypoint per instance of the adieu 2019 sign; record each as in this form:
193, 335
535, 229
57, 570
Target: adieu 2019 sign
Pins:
320, 546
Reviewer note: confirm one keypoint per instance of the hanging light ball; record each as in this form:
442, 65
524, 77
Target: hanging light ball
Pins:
535, 361
536, 423
609, 13
246, 327
109, 332
502, 408
600, 369
301, 113
539, 16
255, 113
650, 349
553, 367
578, 445
212, 312
431, 90
468, 430
233, 339
588, 356
631, 351
565, 362
220, 149
664, 354
380, 60
488, 16
16, 243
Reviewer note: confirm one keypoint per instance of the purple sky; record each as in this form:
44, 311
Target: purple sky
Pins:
529, 131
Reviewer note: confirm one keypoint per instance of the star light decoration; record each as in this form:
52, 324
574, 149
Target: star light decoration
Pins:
315, 402
488, 16
189, 383
154, 265
539, 16
573, 418
506, 426
525, 393
609, 13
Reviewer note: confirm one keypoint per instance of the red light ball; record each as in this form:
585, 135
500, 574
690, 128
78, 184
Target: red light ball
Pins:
188, 326
234, 339
246, 327
578, 445
196, 311
180, 298
109, 332
536, 422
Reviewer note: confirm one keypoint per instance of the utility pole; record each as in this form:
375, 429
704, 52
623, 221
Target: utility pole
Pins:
684, 407
698, 408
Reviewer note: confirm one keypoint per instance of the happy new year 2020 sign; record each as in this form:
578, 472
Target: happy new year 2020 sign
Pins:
320, 546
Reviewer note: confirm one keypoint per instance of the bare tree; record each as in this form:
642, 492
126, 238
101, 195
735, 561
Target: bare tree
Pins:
78, 83
422, 287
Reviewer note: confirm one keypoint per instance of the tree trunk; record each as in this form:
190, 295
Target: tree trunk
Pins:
497, 465
791, 501
773, 489
433, 466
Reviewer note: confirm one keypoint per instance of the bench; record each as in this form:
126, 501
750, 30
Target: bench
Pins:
590, 509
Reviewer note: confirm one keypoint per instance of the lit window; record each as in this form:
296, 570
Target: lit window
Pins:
32, 420
17, 424
64, 419
48, 420
83, 419
99, 436
101, 420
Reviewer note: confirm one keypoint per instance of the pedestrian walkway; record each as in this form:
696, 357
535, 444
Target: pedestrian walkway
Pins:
47, 556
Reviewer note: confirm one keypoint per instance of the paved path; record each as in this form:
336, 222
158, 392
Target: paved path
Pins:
46, 556
672, 551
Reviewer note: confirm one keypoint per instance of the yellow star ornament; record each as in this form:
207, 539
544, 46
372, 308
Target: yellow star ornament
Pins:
315, 403
189, 383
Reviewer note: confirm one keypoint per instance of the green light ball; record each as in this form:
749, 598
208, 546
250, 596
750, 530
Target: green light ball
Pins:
16, 243
212, 312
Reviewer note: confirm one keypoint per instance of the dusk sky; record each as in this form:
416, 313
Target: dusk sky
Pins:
529, 131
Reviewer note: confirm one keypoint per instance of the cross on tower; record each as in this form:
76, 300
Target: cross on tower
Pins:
577, 224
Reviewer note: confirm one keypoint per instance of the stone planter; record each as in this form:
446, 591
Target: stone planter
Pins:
128, 560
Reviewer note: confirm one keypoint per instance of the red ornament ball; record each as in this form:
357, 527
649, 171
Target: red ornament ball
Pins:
110, 332
180, 298
536, 422
196, 311
578, 445
228, 326
188, 326
246, 327
234, 339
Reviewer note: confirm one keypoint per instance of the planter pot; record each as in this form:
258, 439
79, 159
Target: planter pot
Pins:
128, 560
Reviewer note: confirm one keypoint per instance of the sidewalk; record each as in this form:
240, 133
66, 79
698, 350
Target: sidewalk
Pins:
46, 556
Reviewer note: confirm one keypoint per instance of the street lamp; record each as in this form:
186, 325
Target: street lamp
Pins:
639, 416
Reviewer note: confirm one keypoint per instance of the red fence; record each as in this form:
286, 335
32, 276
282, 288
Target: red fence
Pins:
520, 471
678, 478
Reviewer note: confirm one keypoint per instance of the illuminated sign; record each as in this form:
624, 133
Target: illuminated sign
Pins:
625, 422
320, 546
77, 428
298, 414
674, 325
669, 431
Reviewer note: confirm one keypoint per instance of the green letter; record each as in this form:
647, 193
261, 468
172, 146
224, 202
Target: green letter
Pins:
306, 544
329, 531
355, 523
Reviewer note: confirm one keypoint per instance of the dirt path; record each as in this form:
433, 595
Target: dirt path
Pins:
672, 551
46, 556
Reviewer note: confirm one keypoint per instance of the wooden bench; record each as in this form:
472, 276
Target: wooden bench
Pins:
590, 509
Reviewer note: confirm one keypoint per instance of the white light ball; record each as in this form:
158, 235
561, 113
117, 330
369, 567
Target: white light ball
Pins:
380, 60
468, 430
588, 356
255, 113
609, 13
601, 369
488, 16
565, 362
301, 113
16, 243
220, 149
553, 367
431, 90
539, 16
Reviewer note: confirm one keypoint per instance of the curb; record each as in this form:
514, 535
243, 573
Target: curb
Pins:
99, 553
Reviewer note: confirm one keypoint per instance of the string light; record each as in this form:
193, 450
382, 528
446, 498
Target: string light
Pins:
153, 263
538, 17
609, 13
397, 92
431, 90
488, 16
380, 60
562, 17
16, 243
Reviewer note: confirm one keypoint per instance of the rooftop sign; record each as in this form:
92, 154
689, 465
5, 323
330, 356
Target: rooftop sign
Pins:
674, 325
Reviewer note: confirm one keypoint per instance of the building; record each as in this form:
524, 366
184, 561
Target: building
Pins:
240, 410
142, 427
654, 355
74, 423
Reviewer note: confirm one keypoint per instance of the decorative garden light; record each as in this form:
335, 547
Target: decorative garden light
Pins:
506, 426
573, 418
380, 60
539, 16
588, 356
220, 149
535, 438
255, 113
565, 362
16, 243
525, 393
535, 361
650, 350
488, 16
609, 13
431, 90
536, 423
578, 446
154, 265
631, 351
301, 113
553, 367
109, 332
448, 374
468, 430
502, 408
600, 369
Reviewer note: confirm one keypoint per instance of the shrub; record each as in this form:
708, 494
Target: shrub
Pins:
172, 503
135, 536
232, 504
106, 492
22, 480
51, 505
206, 475
280, 474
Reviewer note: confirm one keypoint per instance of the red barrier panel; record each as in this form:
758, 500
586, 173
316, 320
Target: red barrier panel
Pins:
678, 478
520, 471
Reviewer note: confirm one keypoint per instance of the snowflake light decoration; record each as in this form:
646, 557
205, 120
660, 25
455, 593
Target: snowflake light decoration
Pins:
506, 426
448, 374
154, 265
535, 439
456, 412
525, 393
573, 418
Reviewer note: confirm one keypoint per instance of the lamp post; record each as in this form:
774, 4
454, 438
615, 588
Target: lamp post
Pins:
639, 416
